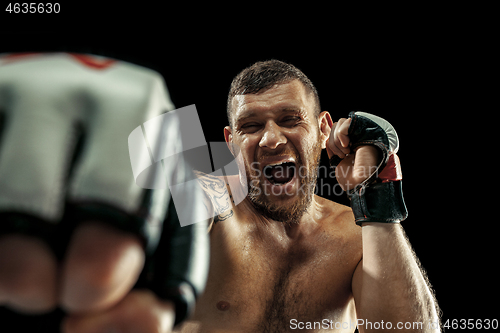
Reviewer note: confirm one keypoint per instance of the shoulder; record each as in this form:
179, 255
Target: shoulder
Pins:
339, 218
333, 210
340, 226
217, 191
210, 183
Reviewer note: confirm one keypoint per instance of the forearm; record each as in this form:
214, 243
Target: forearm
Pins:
393, 287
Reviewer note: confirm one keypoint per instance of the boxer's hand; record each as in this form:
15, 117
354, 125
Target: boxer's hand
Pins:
357, 165
140, 311
363, 152
42, 115
48, 184
75, 229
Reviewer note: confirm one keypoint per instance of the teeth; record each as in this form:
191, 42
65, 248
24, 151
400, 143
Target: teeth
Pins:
279, 163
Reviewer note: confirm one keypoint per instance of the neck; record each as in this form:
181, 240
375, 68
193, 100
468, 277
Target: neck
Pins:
312, 215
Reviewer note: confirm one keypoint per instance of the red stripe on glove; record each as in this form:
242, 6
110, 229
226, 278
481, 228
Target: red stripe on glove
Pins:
392, 171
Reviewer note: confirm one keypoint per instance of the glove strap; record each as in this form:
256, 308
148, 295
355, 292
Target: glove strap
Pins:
378, 202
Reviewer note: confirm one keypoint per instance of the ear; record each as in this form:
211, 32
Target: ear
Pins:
228, 136
325, 127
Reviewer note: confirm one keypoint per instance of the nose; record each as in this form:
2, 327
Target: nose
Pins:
272, 136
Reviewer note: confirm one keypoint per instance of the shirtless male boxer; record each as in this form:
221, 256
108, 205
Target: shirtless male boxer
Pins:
285, 259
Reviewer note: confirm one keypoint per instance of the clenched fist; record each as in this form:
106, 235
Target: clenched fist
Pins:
76, 231
357, 164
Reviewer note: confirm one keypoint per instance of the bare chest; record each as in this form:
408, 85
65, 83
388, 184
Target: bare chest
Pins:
261, 282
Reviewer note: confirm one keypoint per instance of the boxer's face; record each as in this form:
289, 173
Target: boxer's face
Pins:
280, 140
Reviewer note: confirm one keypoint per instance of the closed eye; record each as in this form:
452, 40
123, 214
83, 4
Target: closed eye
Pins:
250, 127
289, 121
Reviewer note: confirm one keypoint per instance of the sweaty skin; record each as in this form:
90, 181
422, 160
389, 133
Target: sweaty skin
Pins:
264, 273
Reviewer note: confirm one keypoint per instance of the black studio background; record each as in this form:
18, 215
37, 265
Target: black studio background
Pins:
413, 73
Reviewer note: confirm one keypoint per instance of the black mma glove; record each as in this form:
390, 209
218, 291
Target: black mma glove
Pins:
379, 198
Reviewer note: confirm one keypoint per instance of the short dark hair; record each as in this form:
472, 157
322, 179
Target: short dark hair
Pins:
262, 76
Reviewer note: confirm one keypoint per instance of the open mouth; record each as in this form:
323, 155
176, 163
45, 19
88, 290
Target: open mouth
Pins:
280, 173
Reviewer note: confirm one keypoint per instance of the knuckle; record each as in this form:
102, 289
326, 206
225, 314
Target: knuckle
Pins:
28, 268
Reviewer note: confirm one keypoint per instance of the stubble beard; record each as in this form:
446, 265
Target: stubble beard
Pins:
289, 213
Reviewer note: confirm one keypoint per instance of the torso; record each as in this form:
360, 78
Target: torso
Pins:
265, 278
